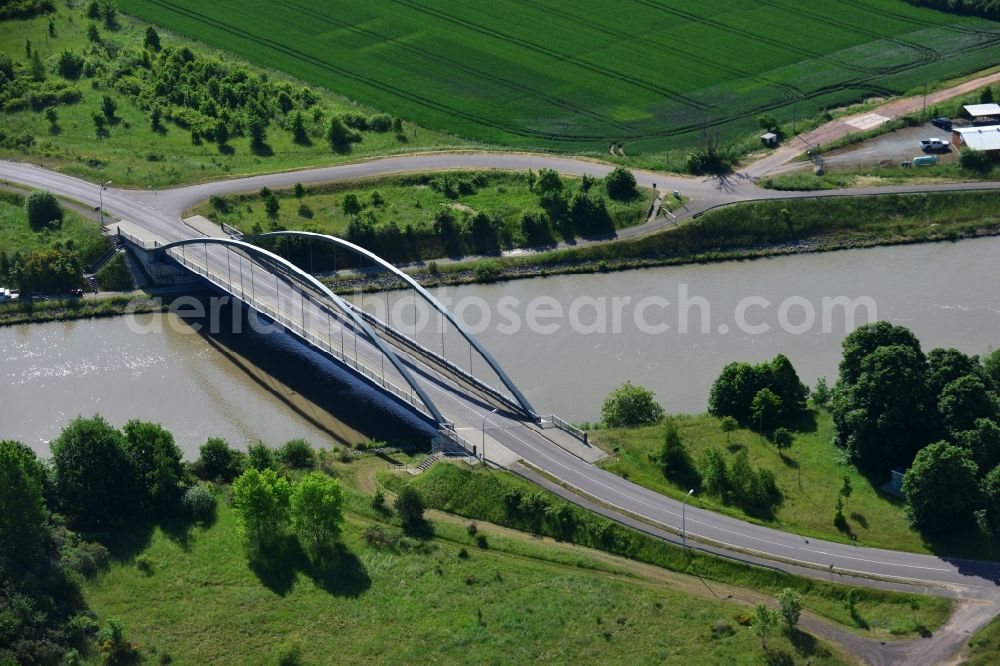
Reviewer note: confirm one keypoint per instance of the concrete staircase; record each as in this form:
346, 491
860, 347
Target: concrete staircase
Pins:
426, 463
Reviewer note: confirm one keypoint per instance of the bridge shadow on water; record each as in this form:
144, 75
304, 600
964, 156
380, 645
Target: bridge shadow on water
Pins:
318, 390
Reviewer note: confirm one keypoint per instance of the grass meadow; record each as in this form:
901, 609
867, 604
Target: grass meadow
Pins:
810, 475
17, 235
444, 598
649, 74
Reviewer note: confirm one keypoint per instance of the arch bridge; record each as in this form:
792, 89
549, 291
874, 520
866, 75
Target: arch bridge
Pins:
377, 344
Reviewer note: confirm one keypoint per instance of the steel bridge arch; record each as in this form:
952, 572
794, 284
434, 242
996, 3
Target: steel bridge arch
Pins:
424, 294
338, 302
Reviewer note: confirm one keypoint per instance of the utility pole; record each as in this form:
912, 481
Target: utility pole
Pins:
684, 518
100, 195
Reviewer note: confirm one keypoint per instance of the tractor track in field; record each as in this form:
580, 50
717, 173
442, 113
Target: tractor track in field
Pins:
454, 64
703, 119
556, 55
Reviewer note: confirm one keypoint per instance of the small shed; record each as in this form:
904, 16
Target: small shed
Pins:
985, 138
980, 112
770, 139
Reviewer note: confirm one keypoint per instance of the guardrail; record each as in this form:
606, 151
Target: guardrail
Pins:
562, 424
492, 391
325, 345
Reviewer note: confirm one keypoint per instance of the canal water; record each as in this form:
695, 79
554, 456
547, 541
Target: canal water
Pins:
565, 340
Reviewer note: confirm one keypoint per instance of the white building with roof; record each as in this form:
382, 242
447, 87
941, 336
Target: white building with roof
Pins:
985, 138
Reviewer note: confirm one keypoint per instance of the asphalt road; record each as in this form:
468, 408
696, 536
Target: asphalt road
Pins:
158, 213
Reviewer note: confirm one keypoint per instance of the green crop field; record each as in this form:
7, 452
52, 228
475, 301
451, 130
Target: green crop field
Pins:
543, 74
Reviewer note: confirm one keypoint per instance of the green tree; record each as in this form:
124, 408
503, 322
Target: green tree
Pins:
782, 438
946, 365
155, 118
261, 502
675, 460
764, 622
846, 489
377, 199
297, 126
941, 489
43, 209
768, 122
24, 518
785, 382
734, 390
965, 400
728, 425
629, 406
821, 393
70, 65
991, 366
986, 95
982, 442
410, 507
975, 161
217, 460
37, 68
884, 416
260, 457
317, 509
271, 205
93, 474
93, 34
864, 340
715, 472
548, 181
351, 205
766, 409
337, 134
151, 40
157, 462
257, 131
620, 184
297, 454
790, 606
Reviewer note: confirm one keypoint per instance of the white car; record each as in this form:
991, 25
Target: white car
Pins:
934, 144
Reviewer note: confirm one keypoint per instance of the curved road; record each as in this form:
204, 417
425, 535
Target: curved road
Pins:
159, 214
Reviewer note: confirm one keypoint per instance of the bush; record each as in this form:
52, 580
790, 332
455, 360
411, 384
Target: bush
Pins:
217, 460
42, 209
975, 161
260, 457
629, 406
115, 275
199, 502
488, 271
297, 454
620, 184
410, 507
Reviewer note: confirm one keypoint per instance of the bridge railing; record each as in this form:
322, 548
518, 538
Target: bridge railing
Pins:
492, 391
325, 345
553, 421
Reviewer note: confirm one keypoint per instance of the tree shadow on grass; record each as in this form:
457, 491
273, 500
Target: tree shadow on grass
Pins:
860, 519
263, 150
802, 422
789, 462
128, 541
336, 570
805, 644
778, 658
226, 149
339, 572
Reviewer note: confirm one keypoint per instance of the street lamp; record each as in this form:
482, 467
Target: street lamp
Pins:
684, 517
483, 452
100, 194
